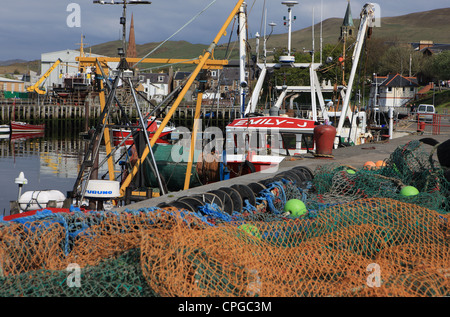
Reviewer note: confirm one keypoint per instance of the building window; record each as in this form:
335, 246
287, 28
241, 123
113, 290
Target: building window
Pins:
411, 89
160, 79
389, 89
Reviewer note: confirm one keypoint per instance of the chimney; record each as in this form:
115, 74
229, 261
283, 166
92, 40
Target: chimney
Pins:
423, 44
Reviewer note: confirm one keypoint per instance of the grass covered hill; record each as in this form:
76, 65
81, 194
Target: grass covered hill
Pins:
431, 25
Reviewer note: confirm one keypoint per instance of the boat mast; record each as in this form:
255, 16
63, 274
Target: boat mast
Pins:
201, 63
242, 56
289, 58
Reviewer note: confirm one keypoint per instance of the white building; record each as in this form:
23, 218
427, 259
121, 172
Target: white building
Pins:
392, 91
155, 85
68, 67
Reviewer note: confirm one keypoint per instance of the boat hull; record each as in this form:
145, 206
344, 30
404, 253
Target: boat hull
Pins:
120, 135
250, 149
4, 129
23, 127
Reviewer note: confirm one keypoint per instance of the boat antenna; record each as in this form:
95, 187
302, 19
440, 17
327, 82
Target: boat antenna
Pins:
123, 18
313, 40
321, 31
289, 58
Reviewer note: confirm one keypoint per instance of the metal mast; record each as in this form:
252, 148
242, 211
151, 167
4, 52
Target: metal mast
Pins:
123, 18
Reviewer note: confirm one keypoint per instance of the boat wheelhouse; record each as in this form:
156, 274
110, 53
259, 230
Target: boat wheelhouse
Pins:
259, 143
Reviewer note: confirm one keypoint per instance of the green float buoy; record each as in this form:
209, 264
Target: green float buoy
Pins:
295, 207
250, 229
409, 191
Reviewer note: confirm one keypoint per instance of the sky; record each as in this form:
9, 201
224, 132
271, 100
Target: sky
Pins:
32, 27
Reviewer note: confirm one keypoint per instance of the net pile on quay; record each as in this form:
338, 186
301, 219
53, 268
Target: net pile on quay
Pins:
355, 218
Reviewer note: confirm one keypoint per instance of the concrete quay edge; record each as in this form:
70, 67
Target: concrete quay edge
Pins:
354, 156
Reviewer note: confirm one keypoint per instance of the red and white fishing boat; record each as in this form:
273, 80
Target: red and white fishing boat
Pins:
23, 127
258, 143
152, 125
5, 129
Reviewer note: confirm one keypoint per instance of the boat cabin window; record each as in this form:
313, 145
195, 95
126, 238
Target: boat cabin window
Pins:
289, 140
307, 141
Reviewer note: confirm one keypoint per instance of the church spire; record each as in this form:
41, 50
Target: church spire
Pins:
347, 27
348, 19
131, 51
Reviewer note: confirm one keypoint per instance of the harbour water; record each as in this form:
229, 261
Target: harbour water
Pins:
48, 162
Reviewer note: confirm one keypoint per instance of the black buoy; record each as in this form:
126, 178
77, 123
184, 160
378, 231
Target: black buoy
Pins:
256, 188
181, 205
266, 182
235, 197
306, 171
303, 176
292, 174
287, 175
210, 198
442, 150
246, 193
195, 203
163, 205
227, 202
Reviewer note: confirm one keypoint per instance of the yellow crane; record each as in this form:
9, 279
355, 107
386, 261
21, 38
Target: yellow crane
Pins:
36, 86
201, 62
204, 61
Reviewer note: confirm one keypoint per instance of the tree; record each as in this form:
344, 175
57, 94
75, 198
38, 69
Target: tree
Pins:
440, 65
402, 59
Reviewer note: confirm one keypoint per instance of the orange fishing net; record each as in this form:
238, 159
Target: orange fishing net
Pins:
369, 247
359, 237
335, 254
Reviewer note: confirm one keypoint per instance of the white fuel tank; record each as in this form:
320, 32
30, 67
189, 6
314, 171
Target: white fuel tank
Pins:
38, 199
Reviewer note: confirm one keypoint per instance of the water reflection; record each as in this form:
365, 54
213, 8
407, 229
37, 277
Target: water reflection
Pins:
48, 163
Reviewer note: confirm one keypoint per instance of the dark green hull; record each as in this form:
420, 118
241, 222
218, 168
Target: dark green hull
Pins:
172, 172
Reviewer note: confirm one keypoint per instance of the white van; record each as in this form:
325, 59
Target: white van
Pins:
425, 112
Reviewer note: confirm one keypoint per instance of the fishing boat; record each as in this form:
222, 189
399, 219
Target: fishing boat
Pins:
20, 136
249, 147
5, 129
258, 143
122, 136
23, 127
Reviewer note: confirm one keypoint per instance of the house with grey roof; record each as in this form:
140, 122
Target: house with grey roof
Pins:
155, 85
393, 90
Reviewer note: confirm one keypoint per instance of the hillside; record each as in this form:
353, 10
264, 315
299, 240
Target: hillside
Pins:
21, 67
171, 49
431, 25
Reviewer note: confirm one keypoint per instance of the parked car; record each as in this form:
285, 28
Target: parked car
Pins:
425, 112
